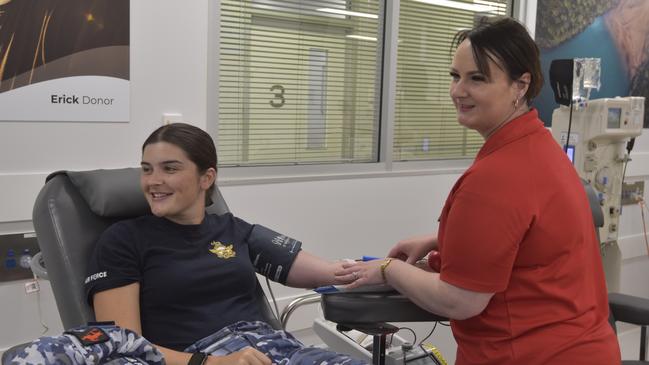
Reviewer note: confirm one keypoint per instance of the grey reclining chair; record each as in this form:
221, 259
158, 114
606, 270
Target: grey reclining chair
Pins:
71, 212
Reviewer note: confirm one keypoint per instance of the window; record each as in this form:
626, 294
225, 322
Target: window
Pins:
299, 81
425, 124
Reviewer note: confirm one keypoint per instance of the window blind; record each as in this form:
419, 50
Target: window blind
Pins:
299, 82
425, 120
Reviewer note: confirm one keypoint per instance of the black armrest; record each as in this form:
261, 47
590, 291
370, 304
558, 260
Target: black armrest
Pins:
350, 308
629, 308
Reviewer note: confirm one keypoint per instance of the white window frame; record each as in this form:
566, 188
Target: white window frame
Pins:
523, 10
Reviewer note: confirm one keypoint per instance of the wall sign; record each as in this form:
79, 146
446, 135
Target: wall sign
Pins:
64, 60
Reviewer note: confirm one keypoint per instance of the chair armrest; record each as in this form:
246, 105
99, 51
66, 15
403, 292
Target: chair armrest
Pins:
629, 308
349, 307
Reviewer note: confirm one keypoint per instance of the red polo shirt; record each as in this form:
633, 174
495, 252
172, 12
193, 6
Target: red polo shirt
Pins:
518, 224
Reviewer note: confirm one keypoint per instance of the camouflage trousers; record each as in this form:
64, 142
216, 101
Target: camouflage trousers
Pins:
88, 345
113, 345
280, 346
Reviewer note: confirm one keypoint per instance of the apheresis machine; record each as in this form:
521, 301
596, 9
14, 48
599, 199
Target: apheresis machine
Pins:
598, 136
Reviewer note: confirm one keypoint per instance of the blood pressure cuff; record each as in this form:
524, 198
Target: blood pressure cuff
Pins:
95, 344
272, 253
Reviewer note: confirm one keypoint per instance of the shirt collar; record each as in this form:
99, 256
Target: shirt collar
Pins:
518, 127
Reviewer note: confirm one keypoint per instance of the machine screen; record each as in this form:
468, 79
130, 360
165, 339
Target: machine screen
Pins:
614, 116
570, 151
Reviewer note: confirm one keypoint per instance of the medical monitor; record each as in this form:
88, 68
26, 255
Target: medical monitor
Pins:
614, 118
570, 151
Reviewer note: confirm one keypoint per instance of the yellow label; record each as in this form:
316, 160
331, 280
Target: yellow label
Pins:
222, 251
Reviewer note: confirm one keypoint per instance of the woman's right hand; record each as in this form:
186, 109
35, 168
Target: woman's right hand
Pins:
413, 249
247, 356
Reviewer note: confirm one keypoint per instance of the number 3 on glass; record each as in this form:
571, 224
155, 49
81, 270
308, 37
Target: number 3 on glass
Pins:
279, 100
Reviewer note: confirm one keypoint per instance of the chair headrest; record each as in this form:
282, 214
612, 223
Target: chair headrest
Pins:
110, 193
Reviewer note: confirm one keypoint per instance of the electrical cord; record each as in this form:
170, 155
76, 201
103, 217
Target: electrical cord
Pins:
432, 352
272, 295
40, 309
430, 355
629, 147
411, 331
565, 147
429, 334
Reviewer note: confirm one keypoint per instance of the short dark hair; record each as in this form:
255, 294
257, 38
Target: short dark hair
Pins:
195, 142
509, 42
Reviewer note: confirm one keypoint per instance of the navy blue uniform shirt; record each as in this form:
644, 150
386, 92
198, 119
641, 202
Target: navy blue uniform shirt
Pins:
194, 279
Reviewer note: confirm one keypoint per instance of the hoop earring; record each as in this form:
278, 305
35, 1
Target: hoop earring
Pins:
516, 104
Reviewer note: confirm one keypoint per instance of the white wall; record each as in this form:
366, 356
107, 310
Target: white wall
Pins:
168, 74
342, 217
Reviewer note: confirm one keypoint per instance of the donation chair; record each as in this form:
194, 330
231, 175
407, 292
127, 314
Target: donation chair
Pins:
71, 212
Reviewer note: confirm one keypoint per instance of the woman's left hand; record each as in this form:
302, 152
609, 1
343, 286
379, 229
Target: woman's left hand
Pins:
360, 273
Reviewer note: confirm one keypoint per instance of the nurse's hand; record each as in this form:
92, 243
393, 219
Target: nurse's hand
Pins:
413, 249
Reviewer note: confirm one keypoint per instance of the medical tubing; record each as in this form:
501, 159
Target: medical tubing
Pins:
429, 334
434, 354
644, 226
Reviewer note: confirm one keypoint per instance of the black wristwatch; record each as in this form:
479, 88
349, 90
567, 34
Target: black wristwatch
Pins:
198, 358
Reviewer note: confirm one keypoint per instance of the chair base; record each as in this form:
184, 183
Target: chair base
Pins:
379, 333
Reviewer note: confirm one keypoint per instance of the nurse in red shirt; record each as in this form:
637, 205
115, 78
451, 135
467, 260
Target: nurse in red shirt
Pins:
521, 276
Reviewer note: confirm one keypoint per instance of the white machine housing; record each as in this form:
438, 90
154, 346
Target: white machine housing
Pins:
597, 146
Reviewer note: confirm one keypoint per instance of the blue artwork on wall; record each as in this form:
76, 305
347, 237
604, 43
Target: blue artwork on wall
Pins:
613, 77
616, 31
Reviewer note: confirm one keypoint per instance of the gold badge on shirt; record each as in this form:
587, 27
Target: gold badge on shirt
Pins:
222, 251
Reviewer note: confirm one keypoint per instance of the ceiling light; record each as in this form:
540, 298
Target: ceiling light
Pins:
361, 37
460, 5
347, 12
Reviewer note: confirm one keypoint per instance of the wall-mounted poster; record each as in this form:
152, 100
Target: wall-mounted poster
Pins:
64, 60
616, 31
